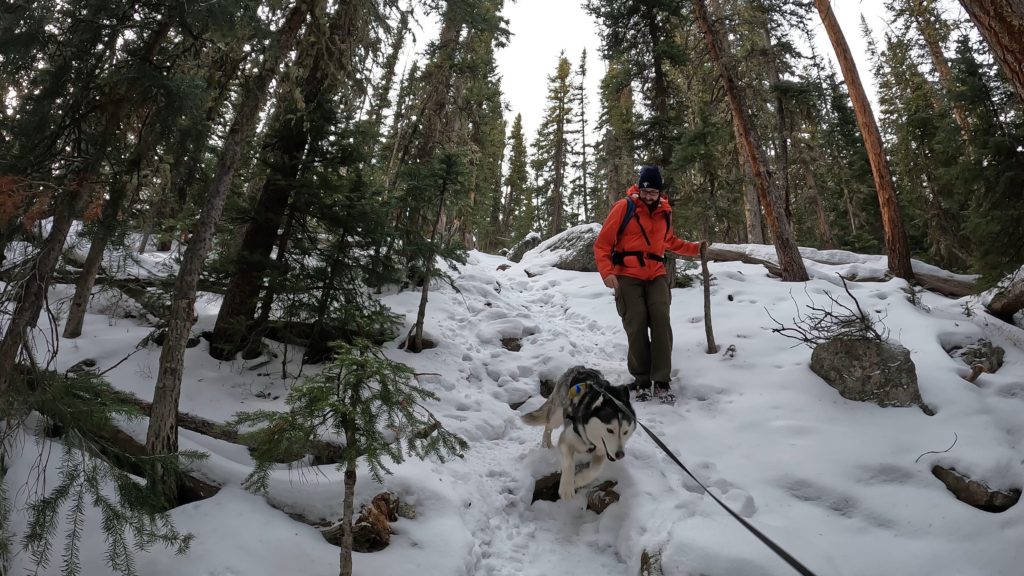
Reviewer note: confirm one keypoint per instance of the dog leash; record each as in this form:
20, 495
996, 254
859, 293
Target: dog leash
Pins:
793, 562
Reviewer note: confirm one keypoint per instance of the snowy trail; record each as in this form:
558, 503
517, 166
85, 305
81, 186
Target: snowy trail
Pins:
513, 535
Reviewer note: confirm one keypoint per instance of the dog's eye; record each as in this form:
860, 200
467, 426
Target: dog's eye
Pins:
610, 431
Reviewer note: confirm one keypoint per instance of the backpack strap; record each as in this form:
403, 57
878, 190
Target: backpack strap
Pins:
619, 257
630, 213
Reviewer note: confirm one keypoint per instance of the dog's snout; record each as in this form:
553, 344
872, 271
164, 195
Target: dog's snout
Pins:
619, 455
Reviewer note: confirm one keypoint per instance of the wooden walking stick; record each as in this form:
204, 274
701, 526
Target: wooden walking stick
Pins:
712, 347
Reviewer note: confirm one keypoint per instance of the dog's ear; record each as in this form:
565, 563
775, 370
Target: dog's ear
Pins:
620, 393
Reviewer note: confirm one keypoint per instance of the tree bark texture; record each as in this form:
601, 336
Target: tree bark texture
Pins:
1001, 23
107, 226
162, 435
785, 246
896, 243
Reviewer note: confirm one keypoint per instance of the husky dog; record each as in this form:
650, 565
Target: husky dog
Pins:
594, 423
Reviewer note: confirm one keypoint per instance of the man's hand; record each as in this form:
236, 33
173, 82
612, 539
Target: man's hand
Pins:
611, 281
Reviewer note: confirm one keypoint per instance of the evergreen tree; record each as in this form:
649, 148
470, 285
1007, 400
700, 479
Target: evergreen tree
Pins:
1001, 23
616, 150
896, 243
369, 401
553, 146
162, 435
994, 211
517, 217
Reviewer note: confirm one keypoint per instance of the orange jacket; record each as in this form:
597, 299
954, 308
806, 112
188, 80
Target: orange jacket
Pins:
644, 240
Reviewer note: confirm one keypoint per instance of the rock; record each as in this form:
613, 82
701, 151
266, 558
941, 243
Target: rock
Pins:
982, 353
512, 344
578, 246
600, 497
531, 241
546, 387
87, 365
976, 493
546, 488
650, 564
869, 371
570, 250
406, 511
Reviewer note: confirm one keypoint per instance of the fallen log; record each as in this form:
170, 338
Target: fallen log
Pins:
1009, 300
938, 283
323, 452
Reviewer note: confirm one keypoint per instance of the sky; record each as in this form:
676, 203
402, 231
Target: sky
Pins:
844, 486
543, 28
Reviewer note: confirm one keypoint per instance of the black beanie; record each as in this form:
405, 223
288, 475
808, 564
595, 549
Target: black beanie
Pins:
650, 177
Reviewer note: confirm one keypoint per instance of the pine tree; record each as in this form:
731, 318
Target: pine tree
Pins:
162, 435
517, 217
368, 400
785, 246
616, 150
896, 243
325, 65
553, 146
1001, 23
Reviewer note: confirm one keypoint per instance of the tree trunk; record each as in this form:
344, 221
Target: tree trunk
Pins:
824, 230
1008, 301
660, 99
751, 203
106, 229
1001, 23
348, 504
896, 243
415, 343
781, 125
283, 158
925, 18
785, 246
162, 435
33, 292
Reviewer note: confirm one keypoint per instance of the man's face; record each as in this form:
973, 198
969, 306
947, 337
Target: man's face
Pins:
649, 196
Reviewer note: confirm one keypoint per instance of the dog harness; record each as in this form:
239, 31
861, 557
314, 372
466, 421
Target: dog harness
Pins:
574, 393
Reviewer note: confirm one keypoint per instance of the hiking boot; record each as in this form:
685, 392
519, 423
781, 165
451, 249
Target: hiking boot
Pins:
663, 392
644, 395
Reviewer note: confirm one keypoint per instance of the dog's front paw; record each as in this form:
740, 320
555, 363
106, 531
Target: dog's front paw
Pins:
566, 490
546, 443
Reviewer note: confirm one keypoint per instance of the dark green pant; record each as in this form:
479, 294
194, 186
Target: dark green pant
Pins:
643, 306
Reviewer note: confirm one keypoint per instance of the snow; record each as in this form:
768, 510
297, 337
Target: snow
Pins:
841, 485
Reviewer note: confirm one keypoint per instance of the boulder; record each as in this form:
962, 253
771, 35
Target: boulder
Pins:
515, 253
982, 353
577, 249
868, 371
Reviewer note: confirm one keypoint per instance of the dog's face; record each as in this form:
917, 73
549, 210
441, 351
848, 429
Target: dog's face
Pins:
609, 426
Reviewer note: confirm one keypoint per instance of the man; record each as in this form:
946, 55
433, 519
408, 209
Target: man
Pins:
630, 256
